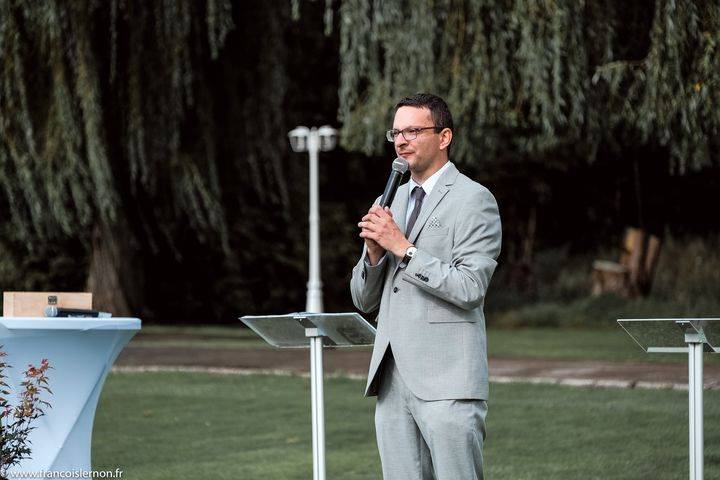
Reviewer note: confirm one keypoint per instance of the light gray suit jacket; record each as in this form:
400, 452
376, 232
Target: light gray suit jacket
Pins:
431, 312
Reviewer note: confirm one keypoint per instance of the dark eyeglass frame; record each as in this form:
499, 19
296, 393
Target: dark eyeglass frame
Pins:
412, 131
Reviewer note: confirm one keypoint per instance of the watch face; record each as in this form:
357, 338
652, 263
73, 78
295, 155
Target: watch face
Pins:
411, 252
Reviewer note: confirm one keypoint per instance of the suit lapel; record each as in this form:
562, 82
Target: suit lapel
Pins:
441, 188
439, 191
428, 206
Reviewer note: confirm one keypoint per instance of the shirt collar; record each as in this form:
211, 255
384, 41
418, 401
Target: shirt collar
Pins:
428, 184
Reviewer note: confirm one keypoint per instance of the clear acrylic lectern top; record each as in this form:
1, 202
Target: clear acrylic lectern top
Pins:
667, 335
288, 331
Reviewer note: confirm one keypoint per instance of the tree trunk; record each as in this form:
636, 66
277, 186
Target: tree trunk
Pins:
115, 276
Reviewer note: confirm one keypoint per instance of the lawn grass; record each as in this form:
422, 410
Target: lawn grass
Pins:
608, 344
177, 426
198, 336
613, 345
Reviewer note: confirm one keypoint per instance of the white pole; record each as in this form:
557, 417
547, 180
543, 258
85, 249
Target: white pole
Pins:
695, 405
319, 397
314, 301
314, 402
698, 348
691, 407
318, 402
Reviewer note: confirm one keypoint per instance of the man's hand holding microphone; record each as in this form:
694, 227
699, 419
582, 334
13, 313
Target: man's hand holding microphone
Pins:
378, 227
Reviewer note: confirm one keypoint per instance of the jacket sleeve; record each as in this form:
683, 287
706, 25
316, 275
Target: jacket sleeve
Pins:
367, 281
476, 245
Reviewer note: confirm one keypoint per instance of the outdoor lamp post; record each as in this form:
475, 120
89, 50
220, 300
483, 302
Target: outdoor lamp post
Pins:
313, 140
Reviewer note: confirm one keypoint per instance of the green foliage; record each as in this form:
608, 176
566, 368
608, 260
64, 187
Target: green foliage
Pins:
16, 421
671, 96
94, 102
59, 265
167, 121
688, 274
158, 129
529, 78
687, 283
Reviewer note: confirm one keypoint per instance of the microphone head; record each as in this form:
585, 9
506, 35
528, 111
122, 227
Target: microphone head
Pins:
400, 165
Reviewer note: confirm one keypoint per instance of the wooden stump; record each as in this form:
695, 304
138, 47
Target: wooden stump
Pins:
610, 277
632, 275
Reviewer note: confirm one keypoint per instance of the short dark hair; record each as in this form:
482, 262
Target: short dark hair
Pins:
441, 116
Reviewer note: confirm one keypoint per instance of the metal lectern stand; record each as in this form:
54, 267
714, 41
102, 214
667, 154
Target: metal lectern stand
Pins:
300, 330
682, 335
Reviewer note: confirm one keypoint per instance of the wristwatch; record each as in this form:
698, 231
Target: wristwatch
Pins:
409, 254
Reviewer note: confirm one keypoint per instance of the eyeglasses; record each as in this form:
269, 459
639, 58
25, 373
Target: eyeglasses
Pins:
408, 134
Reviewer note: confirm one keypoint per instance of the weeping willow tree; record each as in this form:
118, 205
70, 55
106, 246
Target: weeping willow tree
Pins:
528, 78
131, 126
110, 128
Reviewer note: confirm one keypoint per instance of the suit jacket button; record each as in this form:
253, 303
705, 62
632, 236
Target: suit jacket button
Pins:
395, 289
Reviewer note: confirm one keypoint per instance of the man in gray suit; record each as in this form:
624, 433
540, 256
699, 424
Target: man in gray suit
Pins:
426, 264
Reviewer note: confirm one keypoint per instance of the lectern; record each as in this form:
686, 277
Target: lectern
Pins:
300, 330
682, 335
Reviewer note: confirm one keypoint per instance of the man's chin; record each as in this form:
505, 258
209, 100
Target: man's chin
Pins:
410, 158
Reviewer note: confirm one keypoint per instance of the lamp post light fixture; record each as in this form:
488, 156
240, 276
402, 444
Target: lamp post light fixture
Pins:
313, 140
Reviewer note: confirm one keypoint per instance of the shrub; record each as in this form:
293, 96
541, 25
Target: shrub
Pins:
687, 283
16, 421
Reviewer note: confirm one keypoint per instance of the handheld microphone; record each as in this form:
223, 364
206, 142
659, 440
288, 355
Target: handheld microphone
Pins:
399, 167
74, 313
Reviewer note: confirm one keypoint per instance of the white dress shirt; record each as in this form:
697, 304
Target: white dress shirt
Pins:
427, 185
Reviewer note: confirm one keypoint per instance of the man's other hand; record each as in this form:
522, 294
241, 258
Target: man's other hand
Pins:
374, 250
378, 227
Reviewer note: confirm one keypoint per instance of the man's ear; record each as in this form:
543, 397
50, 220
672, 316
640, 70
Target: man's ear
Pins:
445, 138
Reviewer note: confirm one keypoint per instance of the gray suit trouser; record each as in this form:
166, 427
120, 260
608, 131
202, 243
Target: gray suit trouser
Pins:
425, 440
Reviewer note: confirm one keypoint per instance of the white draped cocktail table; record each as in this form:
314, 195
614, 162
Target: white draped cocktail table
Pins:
81, 352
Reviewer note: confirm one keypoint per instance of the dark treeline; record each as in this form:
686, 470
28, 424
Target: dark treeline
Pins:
144, 153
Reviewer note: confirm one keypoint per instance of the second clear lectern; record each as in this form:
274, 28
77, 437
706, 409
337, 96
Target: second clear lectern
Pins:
302, 330
682, 335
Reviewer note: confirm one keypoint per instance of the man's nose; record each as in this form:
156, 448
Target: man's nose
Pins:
400, 140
